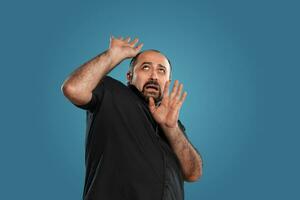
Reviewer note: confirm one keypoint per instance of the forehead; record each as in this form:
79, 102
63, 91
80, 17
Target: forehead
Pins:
153, 57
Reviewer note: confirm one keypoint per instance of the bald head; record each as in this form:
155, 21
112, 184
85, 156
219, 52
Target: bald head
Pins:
134, 60
149, 71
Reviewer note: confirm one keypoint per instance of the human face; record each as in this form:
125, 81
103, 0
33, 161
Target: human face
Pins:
150, 74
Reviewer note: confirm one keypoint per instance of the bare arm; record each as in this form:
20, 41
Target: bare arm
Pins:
190, 160
79, 85
166, 114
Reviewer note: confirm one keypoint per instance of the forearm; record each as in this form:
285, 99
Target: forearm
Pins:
78, 87
85, 78
190, 160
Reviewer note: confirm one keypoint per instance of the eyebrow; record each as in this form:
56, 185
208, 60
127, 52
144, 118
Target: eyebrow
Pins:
150, 63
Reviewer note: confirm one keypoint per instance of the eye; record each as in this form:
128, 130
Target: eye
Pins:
145, 67
162, 70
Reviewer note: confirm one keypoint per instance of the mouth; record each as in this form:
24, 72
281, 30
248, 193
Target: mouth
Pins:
152, 87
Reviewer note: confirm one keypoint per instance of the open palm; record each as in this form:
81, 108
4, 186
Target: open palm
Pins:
123, 48
167, 112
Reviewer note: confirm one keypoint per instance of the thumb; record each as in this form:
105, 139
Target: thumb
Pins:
151, 104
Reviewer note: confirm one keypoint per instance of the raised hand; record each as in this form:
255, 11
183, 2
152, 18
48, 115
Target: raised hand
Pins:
121, 48
167, 113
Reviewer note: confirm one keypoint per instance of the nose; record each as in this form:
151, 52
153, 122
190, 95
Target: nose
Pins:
153, 75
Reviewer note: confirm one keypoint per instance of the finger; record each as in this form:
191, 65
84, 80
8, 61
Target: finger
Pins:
178, 94
133, 42
165, 96
183, 97
166, 88
176, 106
127, 39
174, 90
176, 102
111, 37
139, 47
151, 105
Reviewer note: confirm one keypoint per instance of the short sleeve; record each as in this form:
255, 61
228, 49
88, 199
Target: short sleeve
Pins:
97, 95
91, 105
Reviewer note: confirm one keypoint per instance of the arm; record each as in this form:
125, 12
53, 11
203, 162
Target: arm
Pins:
79, 85
166, 115
190, 160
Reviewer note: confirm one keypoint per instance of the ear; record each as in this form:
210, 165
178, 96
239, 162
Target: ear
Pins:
129, 76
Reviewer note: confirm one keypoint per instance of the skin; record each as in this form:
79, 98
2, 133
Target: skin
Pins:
79, 85
150, 66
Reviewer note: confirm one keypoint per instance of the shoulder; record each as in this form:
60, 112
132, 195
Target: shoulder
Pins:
111, 88
111, 83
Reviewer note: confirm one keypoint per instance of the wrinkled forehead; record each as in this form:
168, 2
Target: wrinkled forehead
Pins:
153, 57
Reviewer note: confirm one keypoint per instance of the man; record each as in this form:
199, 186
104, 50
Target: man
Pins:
136, 147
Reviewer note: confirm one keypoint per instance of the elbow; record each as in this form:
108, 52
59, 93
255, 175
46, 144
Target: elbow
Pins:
70, 93
195, 176
192, 178
75, 96
67, 90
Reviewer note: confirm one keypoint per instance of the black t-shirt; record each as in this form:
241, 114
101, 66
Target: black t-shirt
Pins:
127, 155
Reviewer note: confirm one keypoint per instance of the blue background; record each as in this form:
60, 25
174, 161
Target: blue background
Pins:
238, 60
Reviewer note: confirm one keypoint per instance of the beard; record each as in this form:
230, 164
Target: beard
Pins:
152, 89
